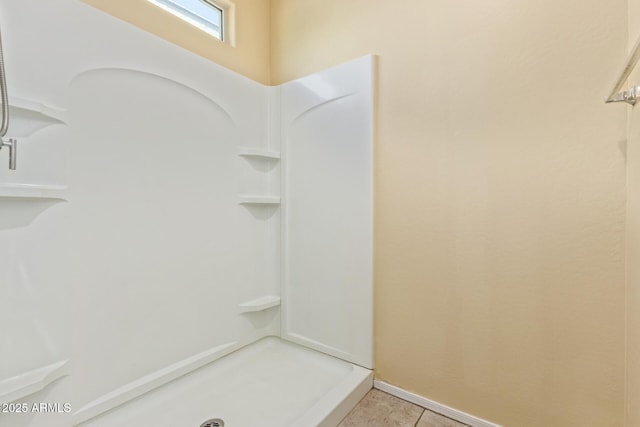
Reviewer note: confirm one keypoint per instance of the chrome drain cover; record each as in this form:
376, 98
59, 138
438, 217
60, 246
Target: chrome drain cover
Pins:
215, 422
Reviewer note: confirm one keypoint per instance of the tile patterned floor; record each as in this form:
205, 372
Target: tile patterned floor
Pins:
379, 409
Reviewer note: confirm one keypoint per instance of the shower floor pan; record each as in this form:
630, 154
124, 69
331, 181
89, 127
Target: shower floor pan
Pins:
270, 383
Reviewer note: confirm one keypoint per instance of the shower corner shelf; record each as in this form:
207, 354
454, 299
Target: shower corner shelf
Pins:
28, 117
259, 200
32, 191
31, 382
258, 153
259, 304
22, 203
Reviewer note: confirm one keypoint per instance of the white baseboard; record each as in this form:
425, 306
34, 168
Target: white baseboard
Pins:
439, 408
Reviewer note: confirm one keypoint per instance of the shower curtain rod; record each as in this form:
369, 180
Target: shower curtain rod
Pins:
632, 94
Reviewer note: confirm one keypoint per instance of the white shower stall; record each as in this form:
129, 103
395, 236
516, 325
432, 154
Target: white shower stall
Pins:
178, 243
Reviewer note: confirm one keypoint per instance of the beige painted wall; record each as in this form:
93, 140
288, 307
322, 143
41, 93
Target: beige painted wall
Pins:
633, 242
249, 56
500, 196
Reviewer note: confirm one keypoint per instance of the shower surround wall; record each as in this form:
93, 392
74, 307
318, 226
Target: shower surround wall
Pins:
147, 263
162, 172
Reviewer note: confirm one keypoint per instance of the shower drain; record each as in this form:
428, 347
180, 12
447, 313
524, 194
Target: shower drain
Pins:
216, 422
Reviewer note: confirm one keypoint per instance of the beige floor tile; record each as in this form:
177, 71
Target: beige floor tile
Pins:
431, 419
379, 409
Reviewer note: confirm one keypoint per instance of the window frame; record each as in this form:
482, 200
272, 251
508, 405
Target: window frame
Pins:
224, 7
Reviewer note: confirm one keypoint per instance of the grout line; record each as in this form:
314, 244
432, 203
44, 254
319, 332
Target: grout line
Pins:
420, 417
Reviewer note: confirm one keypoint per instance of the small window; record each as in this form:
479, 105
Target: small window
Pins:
202, 14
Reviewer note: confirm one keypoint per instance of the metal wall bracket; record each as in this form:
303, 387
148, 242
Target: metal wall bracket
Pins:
629, 96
